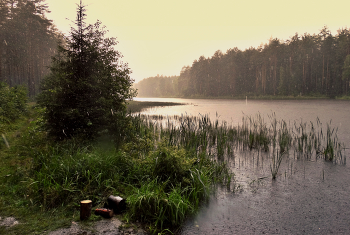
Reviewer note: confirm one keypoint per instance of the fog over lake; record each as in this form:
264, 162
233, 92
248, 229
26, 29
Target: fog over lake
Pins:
308, 196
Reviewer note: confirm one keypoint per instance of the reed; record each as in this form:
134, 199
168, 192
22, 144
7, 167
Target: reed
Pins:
220, 140
276, 162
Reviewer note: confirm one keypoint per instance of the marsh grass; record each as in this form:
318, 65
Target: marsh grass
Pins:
276, 161
276, 137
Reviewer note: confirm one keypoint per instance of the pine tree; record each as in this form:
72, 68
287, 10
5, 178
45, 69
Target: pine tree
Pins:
27, 42
85, 92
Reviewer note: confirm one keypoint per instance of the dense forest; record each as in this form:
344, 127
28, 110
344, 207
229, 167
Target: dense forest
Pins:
304, 65
28, 40
159, 86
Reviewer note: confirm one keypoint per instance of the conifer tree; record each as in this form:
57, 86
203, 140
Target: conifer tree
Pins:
86, 91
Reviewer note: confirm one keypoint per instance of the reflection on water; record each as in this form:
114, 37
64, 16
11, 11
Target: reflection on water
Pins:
308, 197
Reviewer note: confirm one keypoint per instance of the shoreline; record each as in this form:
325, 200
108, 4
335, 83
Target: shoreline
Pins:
255, 97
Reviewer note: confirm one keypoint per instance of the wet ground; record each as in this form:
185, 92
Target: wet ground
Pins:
111, 226
308, 197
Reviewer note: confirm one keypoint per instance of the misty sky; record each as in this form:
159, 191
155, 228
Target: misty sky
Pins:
162, 36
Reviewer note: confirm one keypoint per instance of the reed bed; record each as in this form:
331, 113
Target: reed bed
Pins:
276, 137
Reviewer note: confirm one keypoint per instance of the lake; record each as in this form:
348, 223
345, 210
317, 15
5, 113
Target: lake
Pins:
308, 196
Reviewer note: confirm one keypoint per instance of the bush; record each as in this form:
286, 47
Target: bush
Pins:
12, 102
171, 164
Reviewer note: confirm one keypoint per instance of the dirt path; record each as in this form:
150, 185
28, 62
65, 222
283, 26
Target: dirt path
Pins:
111, 226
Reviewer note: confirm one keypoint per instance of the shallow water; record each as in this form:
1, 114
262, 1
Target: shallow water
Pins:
308, 196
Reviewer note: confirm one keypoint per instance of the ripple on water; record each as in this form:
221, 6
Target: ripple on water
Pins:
308, 197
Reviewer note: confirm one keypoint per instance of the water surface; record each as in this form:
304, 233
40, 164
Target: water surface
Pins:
308, 196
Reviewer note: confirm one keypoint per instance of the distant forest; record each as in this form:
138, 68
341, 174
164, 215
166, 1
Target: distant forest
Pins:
28, 40
159, 86
307, 65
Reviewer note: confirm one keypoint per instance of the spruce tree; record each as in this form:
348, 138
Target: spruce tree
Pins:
86, 90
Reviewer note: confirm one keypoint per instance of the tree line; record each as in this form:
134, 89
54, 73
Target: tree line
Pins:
28, 40
158, 86
306, 65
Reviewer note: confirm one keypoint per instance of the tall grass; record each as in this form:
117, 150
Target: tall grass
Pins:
200, 134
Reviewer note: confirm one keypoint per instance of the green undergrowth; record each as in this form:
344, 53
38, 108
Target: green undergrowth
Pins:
43, 180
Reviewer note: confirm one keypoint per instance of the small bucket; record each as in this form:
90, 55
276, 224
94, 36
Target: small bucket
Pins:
116, 203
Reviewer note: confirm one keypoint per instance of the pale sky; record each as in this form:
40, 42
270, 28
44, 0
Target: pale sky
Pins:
162, 36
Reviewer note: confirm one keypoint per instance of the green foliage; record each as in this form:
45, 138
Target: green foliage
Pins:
70, 170
152, 203
13, 102
174, 188
86, 91
171, 164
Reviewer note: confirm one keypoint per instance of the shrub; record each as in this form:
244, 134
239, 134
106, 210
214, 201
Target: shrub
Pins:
12, 102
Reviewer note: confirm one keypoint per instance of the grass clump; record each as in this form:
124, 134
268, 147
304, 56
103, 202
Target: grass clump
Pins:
174, 188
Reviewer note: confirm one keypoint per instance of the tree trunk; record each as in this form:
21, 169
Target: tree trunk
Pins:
85, 209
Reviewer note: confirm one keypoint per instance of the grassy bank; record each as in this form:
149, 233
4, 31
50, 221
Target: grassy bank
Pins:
262, 97
43, 181
138, 106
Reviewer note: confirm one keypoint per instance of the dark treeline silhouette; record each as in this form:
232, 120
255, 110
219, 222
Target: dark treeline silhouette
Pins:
27, 42
159, 86
307, 65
